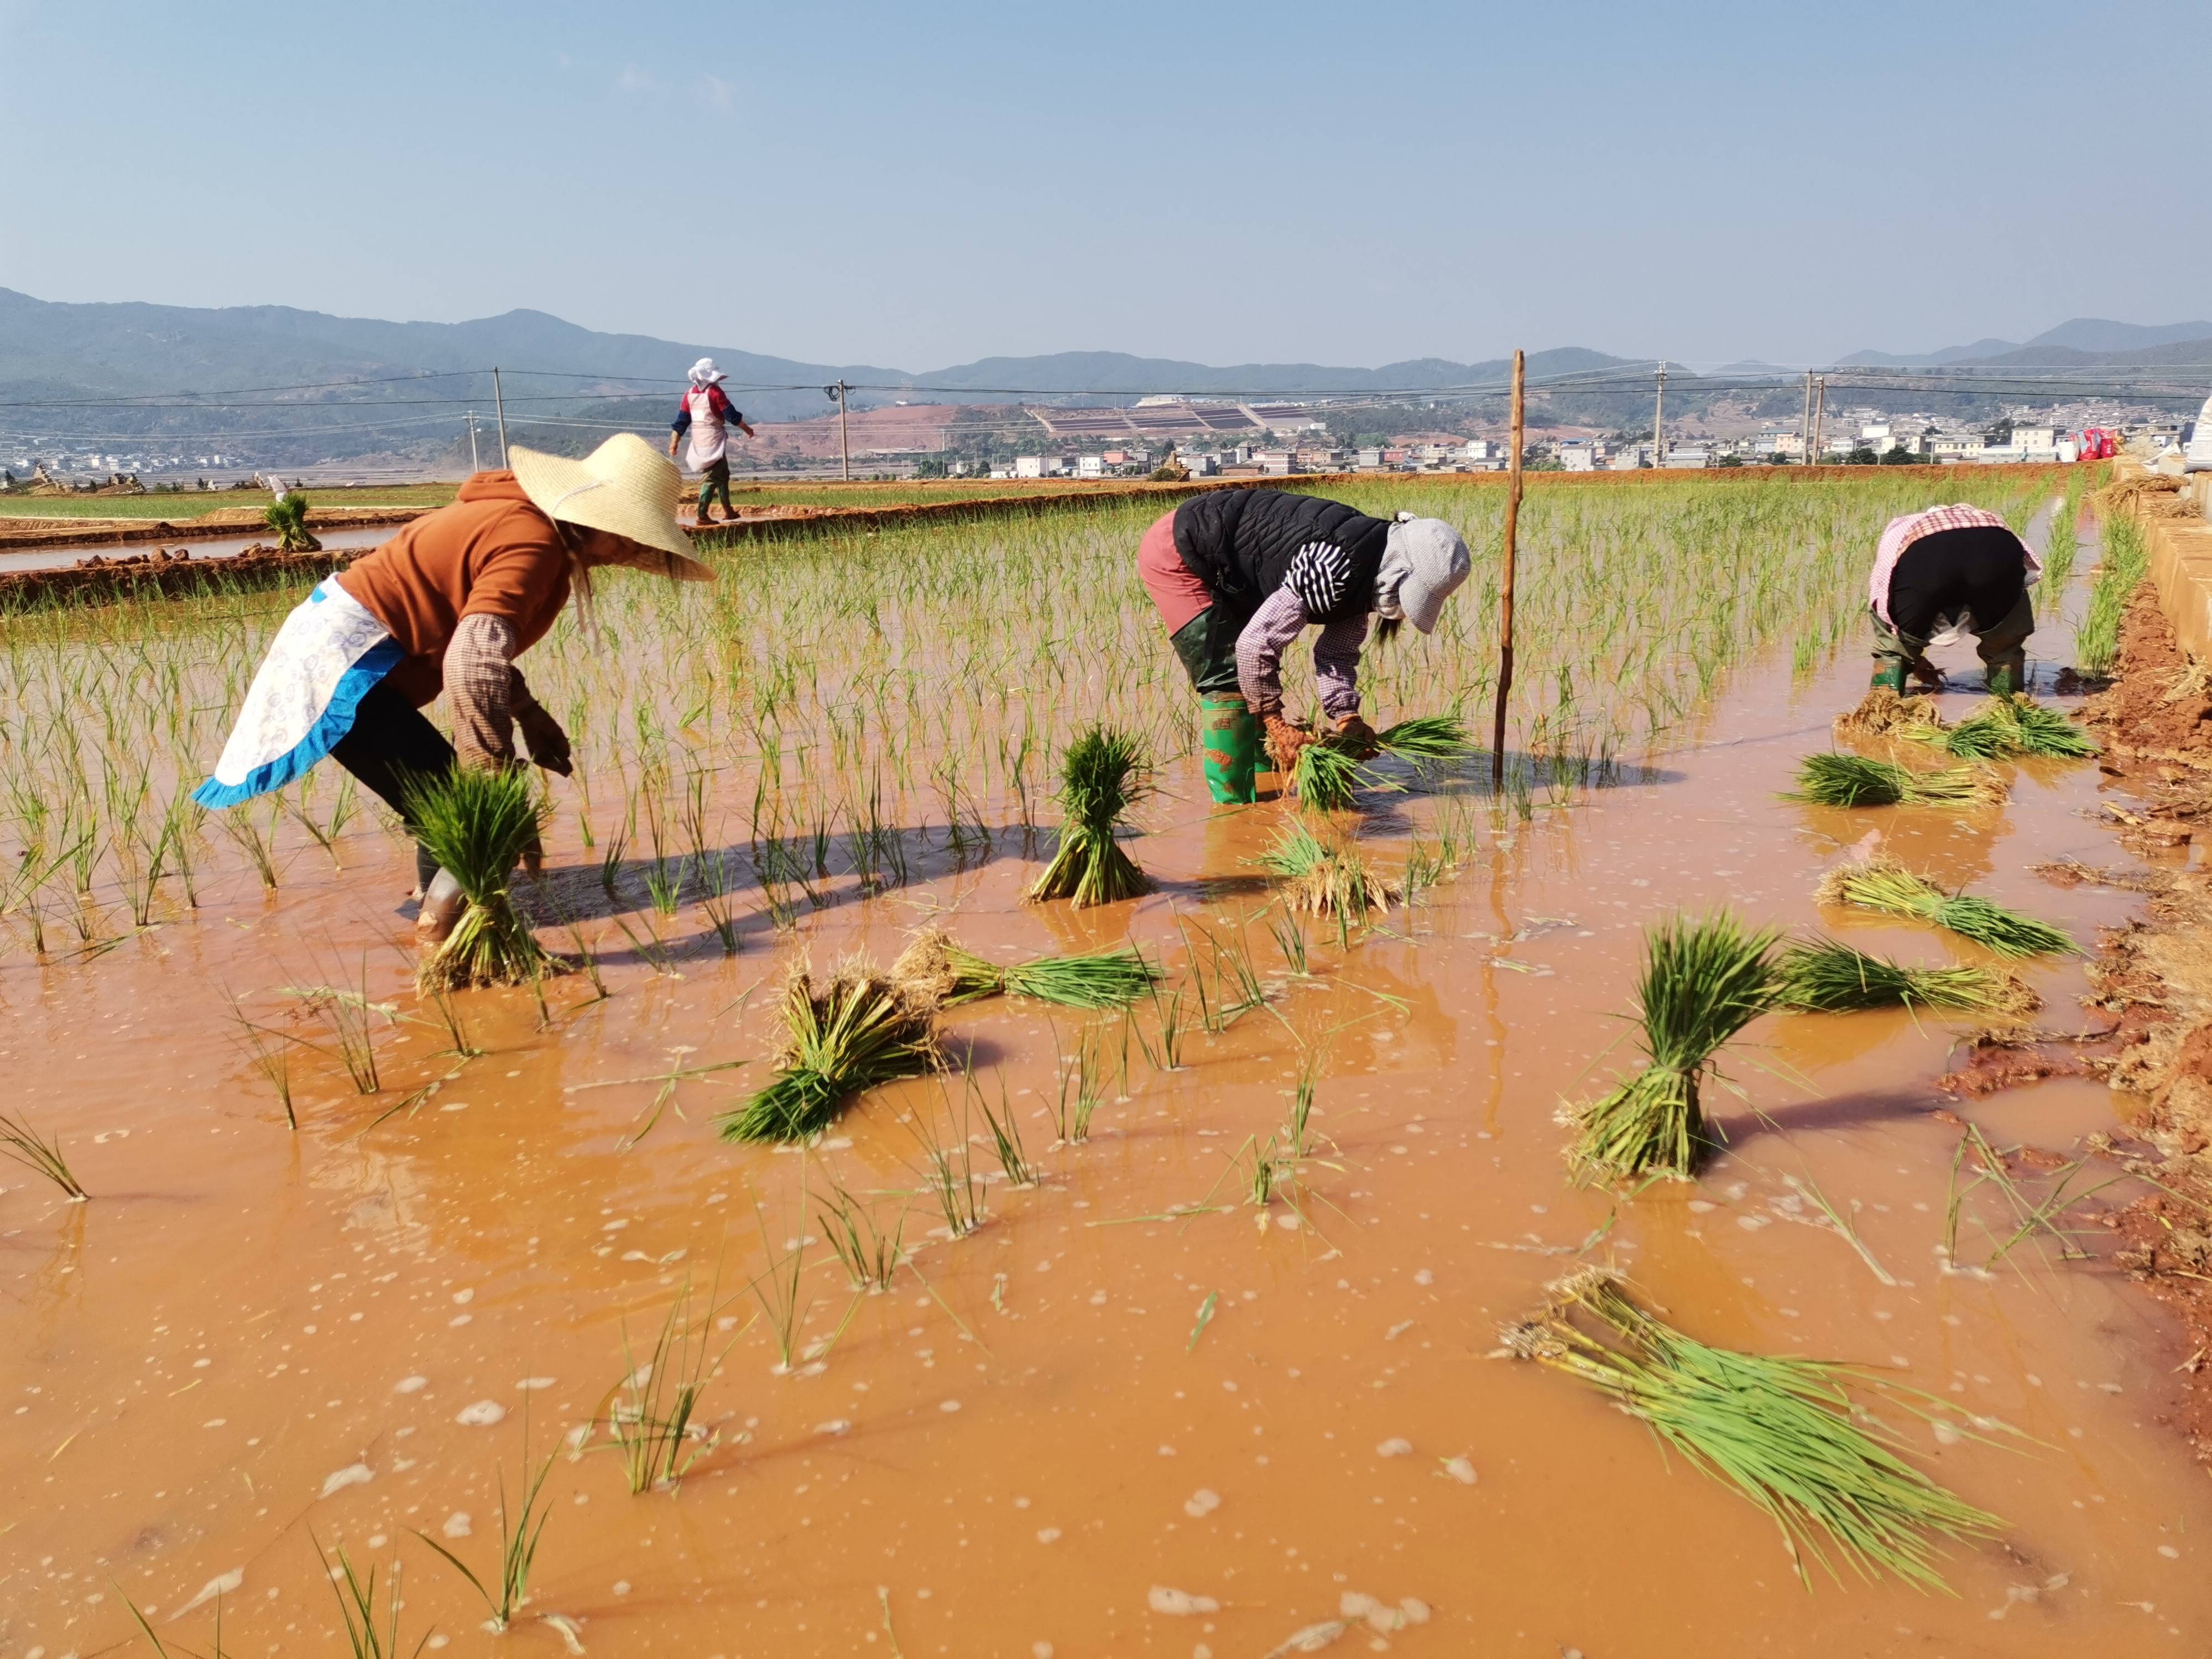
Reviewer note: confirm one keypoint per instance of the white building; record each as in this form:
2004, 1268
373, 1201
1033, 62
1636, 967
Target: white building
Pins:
1028, 466
1090, 466
1577, 454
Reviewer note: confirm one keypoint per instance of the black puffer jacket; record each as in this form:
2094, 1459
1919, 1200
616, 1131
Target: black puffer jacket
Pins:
1245, 544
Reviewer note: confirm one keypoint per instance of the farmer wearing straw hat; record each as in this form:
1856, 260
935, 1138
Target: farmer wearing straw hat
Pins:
448, 604
707, 415
1237, 574
1945, 569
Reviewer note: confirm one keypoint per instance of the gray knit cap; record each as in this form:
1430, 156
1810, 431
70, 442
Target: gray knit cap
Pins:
1424, 562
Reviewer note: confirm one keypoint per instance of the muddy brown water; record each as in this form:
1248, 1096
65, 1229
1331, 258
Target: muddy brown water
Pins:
251, 1338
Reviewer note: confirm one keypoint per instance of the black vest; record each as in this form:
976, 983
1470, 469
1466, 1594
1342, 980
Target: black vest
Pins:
1241, 544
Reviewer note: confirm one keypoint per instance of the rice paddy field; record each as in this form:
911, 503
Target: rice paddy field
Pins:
1199, 1325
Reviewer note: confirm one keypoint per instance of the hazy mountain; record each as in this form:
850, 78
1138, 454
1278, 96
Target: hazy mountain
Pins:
2080, 340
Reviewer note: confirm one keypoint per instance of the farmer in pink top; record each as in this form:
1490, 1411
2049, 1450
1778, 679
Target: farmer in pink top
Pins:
707, 415
1948, 567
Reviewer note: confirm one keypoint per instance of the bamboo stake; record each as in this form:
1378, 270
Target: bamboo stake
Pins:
1505, 591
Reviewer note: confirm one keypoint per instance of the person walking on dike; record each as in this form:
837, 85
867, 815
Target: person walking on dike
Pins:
448, 604
1947, 568
1237, 574
707, 415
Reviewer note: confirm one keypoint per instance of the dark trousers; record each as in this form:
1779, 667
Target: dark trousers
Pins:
1977, 569
392, 743
717, 479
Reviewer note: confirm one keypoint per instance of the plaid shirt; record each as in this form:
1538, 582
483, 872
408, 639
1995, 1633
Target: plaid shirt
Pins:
1902, 532
480, 690
1259, 650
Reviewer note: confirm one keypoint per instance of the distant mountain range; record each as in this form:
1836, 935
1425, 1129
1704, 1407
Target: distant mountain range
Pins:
290, 385
2083, 340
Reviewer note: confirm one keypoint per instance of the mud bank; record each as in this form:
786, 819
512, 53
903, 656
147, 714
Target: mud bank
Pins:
2155, 973
164, 574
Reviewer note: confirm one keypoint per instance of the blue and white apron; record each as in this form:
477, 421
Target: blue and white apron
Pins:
329, 652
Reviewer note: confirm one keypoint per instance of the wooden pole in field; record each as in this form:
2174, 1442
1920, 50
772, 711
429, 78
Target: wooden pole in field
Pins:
1506, 587
844, 441
1805, 426
1819, 414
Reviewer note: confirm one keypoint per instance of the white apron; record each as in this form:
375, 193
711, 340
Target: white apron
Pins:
710, 439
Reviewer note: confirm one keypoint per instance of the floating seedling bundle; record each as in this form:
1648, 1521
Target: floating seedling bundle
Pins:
1326, 772
856, 1031
1703, 983
2005, 727
1103, 775
936, 969
478, 823
1782, 1430
1855, 780
1883, 713
1822, 976
1887, 887
1326, 878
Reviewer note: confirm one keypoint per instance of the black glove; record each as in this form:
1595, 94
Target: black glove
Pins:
547, 742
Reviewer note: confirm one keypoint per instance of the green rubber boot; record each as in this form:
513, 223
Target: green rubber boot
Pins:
2007, 675
1229, 737
1889, 671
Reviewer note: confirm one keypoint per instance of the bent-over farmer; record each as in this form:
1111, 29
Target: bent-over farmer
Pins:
1238, 574
707, 415
1951, 567
448, 604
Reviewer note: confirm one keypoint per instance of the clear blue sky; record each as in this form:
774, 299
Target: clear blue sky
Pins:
917, 186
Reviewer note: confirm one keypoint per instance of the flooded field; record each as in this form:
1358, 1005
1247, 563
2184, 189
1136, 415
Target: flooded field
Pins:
1133, 1411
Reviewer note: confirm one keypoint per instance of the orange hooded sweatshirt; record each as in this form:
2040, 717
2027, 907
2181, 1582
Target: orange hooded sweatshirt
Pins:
490, 553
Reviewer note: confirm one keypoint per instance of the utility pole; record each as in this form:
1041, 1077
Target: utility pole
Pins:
844, 437
1805, 424
1505, 585
1659, 420
500, 404
474, 465
1820, 409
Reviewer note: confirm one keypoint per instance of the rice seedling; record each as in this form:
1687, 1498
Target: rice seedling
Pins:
22, 1144
651, 1413
1883, 713
934, 969
1782, 1430
477, 823
1325, 879
356, 1597
2126, 558
1823, 976
519, 1536
1327, 777
1703, 982
854, 1032
1887, 887
778, 1286
1841, 780
287, 517
869, 1255
1102, 774
1174, 1028
1291, 940
441, 999
1078, 1096
1236, 985
259, 849
270, 1053
1841, 1222
951, 1176
1005, 1131
161, 1648
2010, 725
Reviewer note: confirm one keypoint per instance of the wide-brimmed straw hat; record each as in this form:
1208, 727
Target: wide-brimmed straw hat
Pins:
626, 488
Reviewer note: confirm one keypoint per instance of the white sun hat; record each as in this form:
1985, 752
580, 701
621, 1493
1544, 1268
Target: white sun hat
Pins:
703, 373
626, 488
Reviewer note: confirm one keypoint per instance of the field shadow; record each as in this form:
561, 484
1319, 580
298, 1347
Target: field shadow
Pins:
1865, 1106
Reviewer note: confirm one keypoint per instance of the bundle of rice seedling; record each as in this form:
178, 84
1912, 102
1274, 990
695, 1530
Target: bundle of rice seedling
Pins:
1327, 773
1782, 1430
2010, 725
850, 1035
1883, 713
1822, 976
287, 517
1883, 885
1325, 880
1103, 775
477, 823
1836, 780
937, 970
1703, 983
